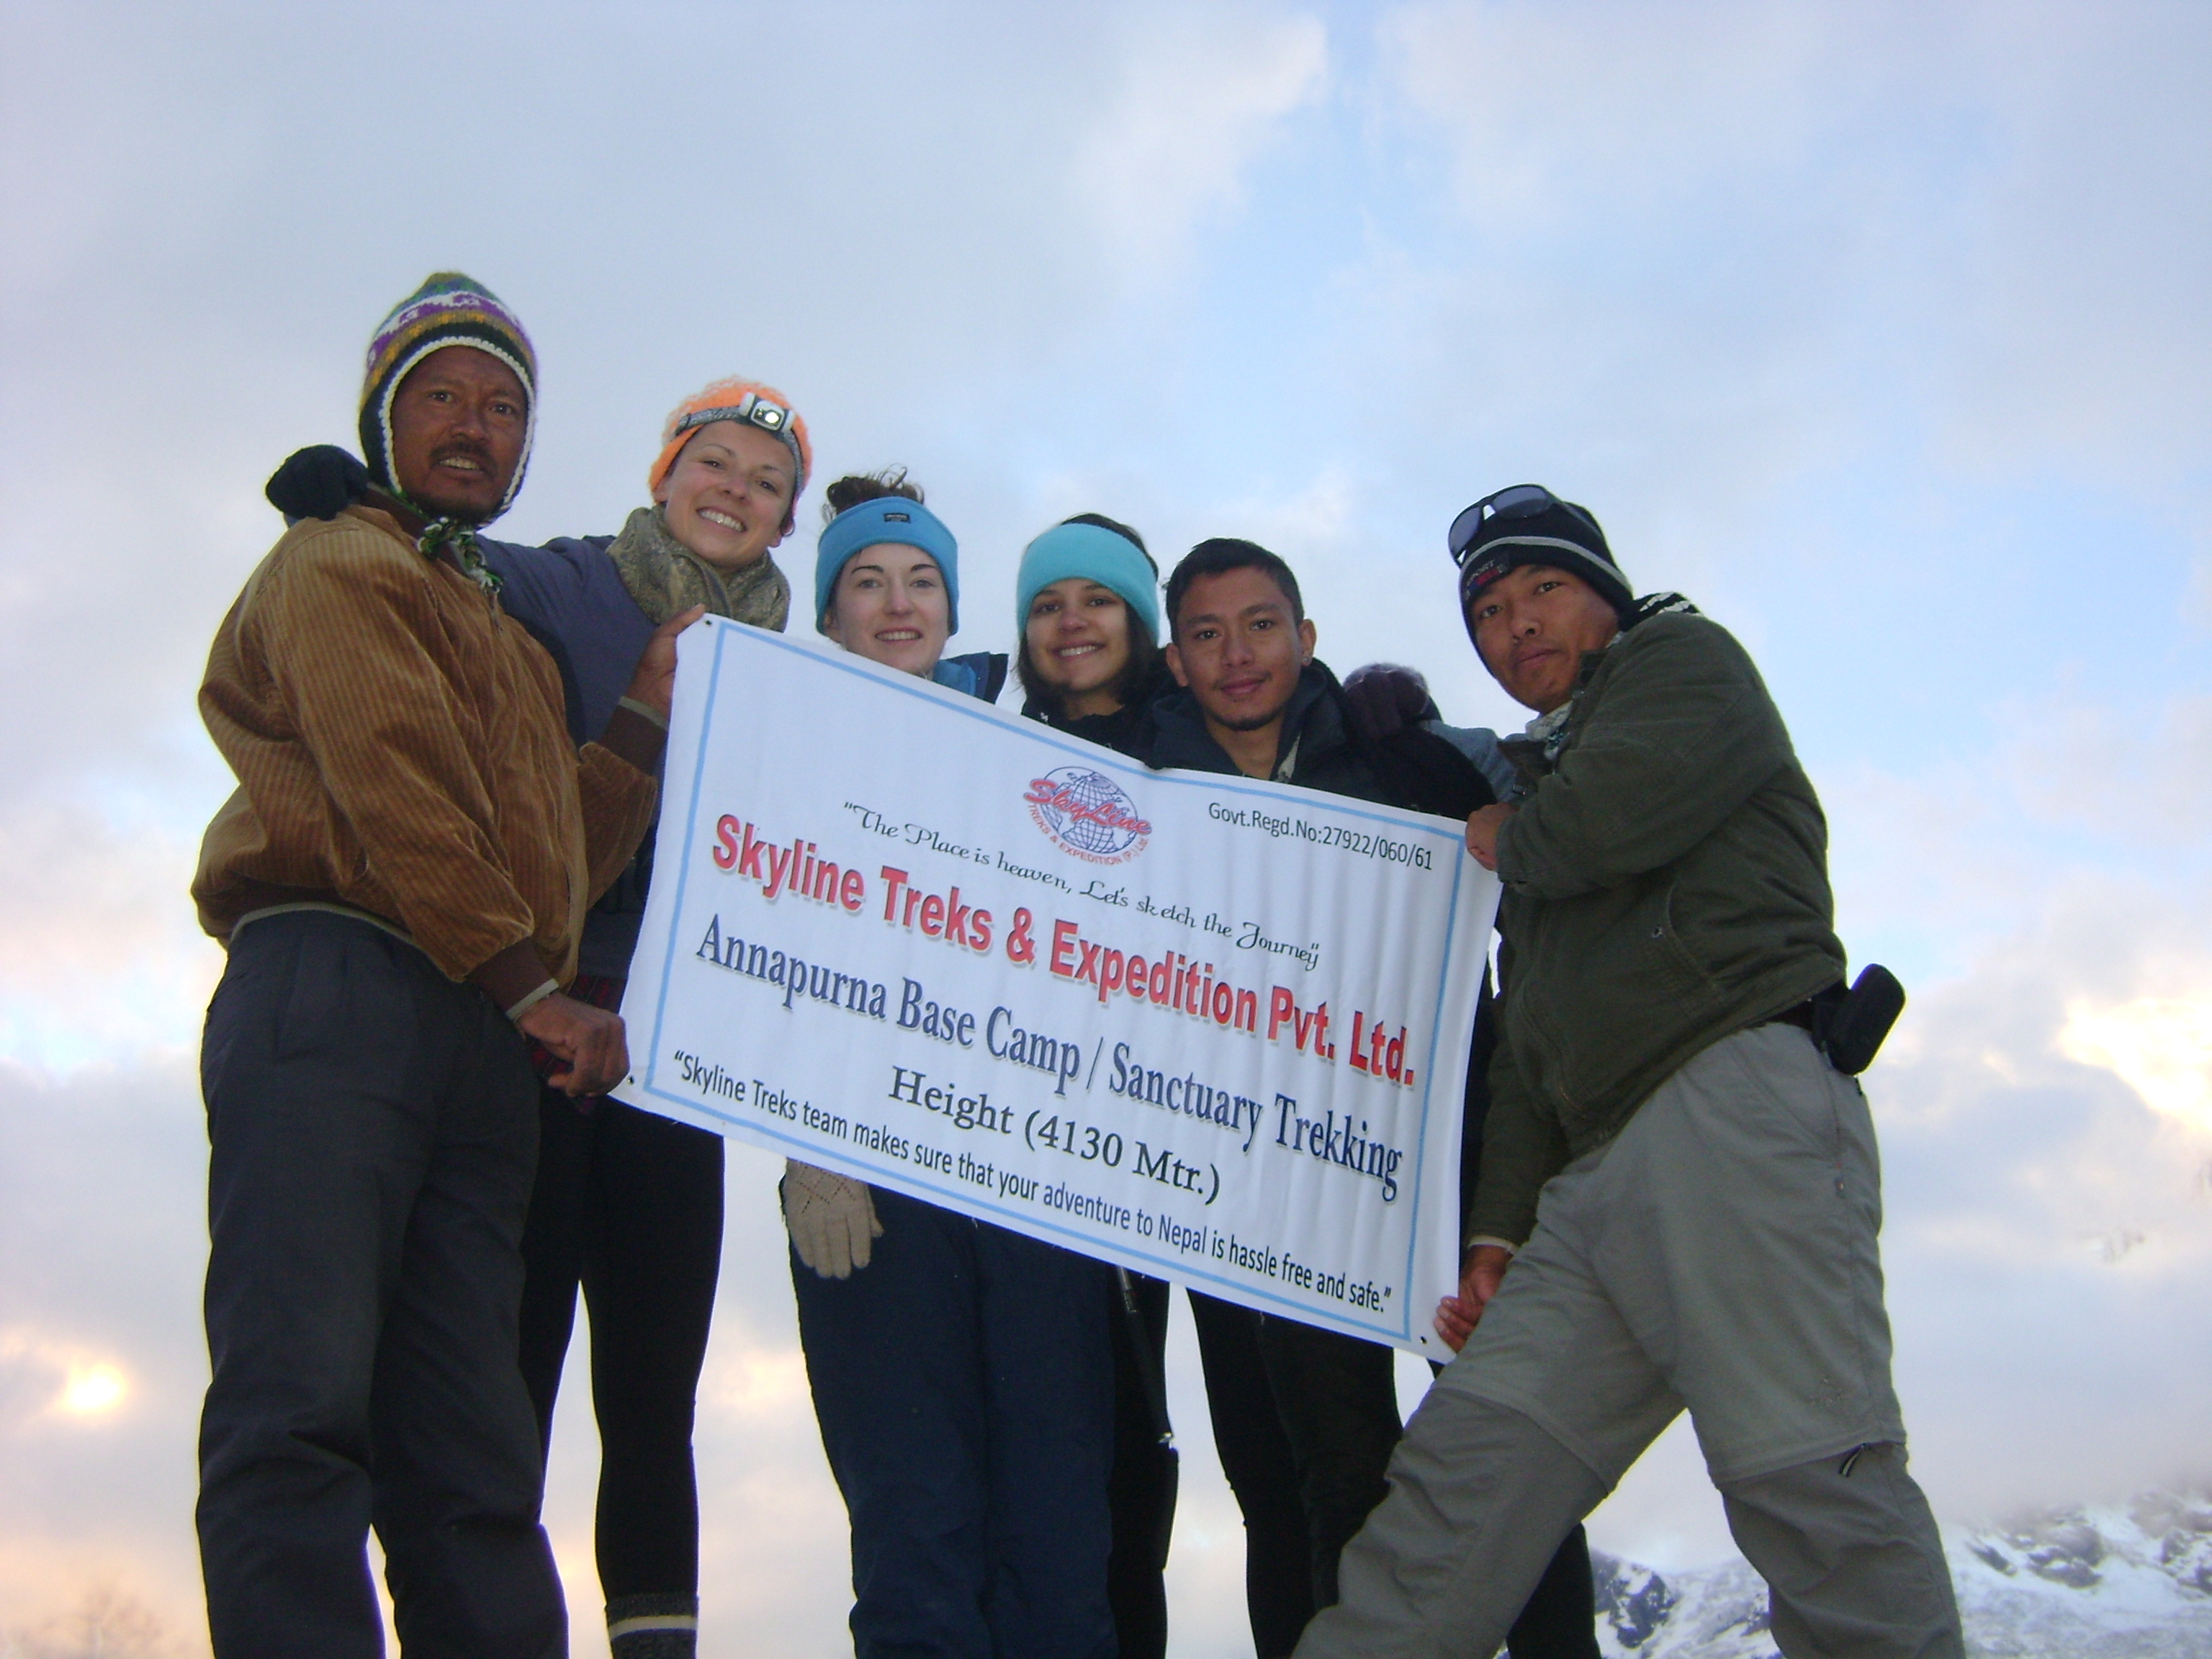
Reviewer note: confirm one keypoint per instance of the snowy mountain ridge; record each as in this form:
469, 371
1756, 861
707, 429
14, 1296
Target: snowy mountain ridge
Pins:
2126, 1581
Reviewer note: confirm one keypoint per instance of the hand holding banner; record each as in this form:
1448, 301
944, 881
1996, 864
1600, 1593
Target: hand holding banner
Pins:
1206, 1027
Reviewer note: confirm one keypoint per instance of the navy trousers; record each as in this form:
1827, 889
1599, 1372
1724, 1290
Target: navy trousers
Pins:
373, 1128
964, 1387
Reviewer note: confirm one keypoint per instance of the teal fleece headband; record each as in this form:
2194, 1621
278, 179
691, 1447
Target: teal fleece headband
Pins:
1094, 553
886, 519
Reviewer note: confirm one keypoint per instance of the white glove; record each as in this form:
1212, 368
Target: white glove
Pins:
832, 1218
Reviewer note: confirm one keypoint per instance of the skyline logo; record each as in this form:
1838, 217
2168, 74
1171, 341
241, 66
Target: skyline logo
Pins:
1087, 814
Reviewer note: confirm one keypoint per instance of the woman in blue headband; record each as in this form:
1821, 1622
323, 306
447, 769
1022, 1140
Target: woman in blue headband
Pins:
1086, 605
960, 1372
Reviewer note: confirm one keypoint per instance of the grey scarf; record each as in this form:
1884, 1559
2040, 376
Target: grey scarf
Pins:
667, 578
1549, 732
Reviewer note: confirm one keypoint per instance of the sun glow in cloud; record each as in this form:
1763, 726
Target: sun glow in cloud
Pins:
2159, 1047
91, 1390
88, 1387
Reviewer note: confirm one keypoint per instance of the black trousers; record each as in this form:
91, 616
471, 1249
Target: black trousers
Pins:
1141, 1485
1304, 1421
1256, 1455
373, 1128
629, 1207
1338, 1399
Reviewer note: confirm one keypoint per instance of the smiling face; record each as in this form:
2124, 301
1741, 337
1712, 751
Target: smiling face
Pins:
459, 424
1239, 649
728, 495
1078, 640
890, 605
1532, 627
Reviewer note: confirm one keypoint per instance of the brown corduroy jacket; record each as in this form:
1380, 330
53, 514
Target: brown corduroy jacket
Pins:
400, 750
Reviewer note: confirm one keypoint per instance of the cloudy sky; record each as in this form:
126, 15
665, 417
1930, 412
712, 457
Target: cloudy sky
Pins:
1881, 330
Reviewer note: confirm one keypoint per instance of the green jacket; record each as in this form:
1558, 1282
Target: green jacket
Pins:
1666, 885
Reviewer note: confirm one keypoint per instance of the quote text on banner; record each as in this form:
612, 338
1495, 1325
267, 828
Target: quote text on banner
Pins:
1205, 1027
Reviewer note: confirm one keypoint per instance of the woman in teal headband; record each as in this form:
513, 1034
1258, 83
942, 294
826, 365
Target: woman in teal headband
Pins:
1086, 606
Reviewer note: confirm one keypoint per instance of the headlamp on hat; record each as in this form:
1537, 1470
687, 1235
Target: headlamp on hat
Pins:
752, 409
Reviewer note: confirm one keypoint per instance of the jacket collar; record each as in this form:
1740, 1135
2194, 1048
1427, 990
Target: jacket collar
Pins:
1312, 726
978, 674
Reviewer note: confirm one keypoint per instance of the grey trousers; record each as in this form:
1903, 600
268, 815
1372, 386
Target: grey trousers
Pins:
1719, 1255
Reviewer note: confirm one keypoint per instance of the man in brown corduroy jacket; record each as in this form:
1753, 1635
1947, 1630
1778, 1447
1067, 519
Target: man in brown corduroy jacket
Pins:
400, 879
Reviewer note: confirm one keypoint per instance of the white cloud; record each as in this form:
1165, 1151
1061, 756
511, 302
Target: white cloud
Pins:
1864, 294
2159, 1047
102, 955
1646, 113
78, 1385
1198, 94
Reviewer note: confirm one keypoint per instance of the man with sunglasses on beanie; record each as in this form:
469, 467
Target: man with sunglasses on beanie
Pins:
398, 881
1709, 1195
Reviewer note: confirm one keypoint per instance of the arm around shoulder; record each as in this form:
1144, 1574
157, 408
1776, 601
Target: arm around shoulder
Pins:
617, 774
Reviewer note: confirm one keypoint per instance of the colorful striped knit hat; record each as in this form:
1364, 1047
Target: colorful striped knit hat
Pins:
449, 309
750, 403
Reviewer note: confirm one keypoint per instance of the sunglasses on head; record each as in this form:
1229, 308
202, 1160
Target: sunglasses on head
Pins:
1521, 502
752, 409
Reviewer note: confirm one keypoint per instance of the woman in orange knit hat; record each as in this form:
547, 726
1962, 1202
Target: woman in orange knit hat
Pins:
733, 462
629, 1204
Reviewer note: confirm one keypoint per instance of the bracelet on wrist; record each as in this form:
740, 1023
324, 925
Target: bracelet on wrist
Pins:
644, 708
531, 1002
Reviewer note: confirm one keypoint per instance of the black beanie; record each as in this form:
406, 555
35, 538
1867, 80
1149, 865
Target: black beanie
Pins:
1562, 535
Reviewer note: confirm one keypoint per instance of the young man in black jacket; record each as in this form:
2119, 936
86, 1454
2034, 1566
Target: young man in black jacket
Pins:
1253, 700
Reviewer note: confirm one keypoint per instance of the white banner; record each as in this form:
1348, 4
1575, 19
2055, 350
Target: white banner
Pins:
1208, 1028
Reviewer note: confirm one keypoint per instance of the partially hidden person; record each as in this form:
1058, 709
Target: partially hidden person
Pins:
399, 880
1679, 1196
629, 1203
960, 1372
1253, 698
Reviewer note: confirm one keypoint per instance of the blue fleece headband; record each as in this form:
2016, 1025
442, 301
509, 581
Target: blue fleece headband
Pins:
886, 519
1094, 553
